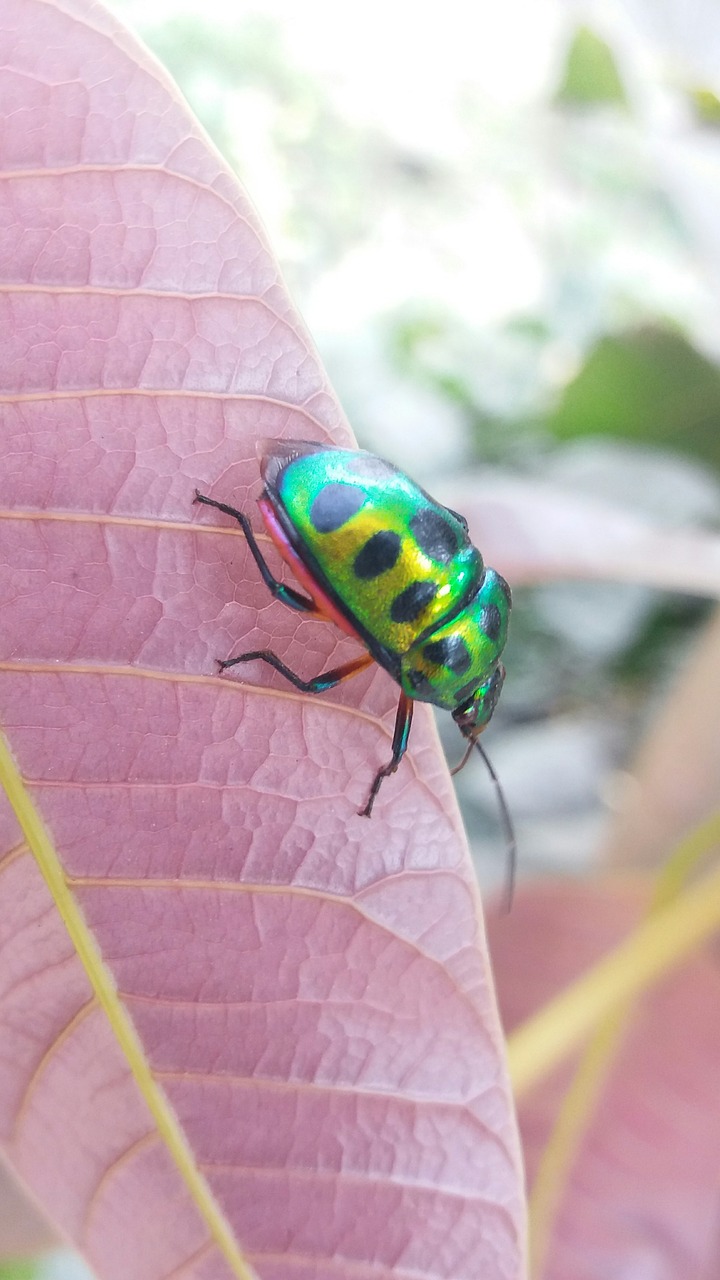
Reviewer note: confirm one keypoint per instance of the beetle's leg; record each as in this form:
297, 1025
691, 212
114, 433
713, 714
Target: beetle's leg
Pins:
403, 721
288, 595
328, 679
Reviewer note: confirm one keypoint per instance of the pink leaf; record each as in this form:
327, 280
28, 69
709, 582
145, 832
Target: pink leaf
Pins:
23, 1230
641, 1195
307, 990
673, 784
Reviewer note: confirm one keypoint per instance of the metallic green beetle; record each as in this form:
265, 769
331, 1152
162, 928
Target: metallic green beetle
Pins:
380, 558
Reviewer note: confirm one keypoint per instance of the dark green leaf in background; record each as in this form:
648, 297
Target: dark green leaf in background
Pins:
648, 385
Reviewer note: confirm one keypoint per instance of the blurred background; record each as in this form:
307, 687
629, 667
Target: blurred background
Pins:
500, 223
501, 230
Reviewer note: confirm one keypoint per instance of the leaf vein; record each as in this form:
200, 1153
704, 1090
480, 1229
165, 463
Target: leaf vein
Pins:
40, 1067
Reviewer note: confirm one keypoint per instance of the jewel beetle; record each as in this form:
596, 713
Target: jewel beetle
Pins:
392, 567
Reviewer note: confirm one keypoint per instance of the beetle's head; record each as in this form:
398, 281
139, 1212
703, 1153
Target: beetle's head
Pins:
475, 714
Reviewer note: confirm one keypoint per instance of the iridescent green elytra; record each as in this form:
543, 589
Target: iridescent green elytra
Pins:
381, 558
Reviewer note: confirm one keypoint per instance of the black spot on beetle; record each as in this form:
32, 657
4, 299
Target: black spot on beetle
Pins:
491, 621
434, 535
505, 590
334, 505
378, 555
450, 652
420, 683
467, 692
412, 601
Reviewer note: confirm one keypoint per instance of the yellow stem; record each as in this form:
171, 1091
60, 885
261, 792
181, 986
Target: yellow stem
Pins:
654, 948
104, 987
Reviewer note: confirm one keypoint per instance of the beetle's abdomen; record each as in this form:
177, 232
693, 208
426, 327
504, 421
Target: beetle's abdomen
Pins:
398, 561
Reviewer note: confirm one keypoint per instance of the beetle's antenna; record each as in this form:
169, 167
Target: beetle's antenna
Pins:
463, 762
508, 828
507, 822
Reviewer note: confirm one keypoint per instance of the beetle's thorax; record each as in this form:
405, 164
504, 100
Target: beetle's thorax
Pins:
454, 665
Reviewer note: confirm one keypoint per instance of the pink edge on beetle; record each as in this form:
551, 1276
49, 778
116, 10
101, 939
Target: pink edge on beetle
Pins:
325, 605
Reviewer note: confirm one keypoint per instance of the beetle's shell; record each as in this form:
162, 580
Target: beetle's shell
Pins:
390, 559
